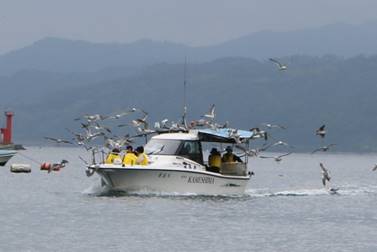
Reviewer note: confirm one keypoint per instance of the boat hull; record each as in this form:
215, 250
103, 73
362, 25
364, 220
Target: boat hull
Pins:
172, 181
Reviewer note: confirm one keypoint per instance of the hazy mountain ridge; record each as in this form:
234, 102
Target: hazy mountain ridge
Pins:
62, 55
315, 90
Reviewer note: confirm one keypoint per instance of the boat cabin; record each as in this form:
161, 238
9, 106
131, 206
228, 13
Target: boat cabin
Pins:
190, 145
186, 145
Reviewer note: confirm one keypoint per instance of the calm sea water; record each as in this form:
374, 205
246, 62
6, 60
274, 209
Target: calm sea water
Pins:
285, 208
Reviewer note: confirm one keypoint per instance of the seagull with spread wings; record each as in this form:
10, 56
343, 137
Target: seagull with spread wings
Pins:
325, 175
277, 158
58, 140
280, 66
321, 131
270, 126
211, 113
323, 148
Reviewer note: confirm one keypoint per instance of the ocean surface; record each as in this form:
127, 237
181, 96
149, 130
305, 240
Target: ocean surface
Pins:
285, 208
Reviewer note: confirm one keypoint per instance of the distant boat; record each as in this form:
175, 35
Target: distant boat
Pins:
5, 155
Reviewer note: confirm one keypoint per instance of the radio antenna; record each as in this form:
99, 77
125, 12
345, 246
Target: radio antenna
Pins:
184, 95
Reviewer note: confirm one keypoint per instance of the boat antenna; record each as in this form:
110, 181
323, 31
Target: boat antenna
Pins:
184, 95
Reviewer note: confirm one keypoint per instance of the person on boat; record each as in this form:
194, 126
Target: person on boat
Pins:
129, 157
142, 158
230, 157
113, 155
214, 161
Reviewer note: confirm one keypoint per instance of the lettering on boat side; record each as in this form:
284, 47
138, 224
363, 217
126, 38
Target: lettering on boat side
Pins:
164, 175
203, 180
231, 185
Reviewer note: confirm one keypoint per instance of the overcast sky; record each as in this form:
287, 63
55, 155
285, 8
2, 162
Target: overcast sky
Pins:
192, 22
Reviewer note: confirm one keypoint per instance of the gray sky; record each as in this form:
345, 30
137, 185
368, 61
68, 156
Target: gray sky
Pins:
192, 22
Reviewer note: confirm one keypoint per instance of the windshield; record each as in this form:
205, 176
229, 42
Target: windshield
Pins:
162, 147
188, 149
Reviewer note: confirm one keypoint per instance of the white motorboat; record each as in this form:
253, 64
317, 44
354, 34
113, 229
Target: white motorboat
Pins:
177, 165
5, 155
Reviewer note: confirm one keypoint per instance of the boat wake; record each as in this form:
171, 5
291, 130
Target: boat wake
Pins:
348, 190
98, 190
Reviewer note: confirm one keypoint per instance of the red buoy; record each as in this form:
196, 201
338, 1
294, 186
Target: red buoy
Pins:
46, 167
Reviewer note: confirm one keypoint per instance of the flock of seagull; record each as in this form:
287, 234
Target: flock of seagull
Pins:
93, 129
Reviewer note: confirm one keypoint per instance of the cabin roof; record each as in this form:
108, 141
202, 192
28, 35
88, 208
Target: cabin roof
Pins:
177, 136
222, 135
207, 135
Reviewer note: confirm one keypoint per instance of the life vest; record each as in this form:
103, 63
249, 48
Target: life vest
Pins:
129, 158
214, 160
228, 157
142, 159
111, 157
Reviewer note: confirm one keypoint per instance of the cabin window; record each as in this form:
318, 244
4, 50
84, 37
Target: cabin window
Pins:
188, 149
162, 147
191, 150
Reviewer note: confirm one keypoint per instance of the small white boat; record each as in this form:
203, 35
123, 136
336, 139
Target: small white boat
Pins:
5, 155
173, 170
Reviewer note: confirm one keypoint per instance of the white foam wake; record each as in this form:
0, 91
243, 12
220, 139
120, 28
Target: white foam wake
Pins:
342, 190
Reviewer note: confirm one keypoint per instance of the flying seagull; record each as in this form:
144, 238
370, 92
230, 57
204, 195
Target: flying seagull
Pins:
325, 174
280, 66
277, 158
321, 131
58, 140
278, 143
121, 114
323, 148
270, 126
211, 113
326, 180
374, 168
258, 133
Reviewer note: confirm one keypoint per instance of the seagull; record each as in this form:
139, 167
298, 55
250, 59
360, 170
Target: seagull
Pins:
258, 133
99, 127
280, 143
92, 118
251, 152
144, 132
211, 113
119, 115
321, 131
176, 127
79, 138
270, 126
326, 180
265, 147
140, 121
323, 148
198, 123
277, 158
58, 140
374, 168
233, 133
164, 123
90, 136
111, 143
325, 174
281, 67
